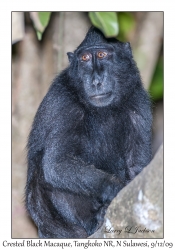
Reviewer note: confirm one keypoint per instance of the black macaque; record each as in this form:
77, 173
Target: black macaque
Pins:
90, 137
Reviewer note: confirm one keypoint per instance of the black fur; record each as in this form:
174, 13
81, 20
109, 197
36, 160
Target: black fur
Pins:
90, 137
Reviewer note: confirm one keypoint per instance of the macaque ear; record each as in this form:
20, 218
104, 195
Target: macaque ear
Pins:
128, 47
70, 56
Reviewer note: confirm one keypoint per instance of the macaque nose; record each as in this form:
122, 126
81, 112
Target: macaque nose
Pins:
96, 83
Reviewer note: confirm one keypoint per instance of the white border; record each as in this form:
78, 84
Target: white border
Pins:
5, 94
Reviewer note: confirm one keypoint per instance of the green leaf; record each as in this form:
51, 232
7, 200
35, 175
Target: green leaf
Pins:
156, 87
44, 18
106, 22
41, 24
126, 23
39, 34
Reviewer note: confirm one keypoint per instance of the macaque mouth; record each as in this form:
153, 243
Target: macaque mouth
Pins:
103, 95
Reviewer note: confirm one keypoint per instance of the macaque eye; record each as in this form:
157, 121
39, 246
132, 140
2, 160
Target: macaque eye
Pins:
101, 54
85, 57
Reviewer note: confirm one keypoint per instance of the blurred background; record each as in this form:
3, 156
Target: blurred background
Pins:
40, 41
